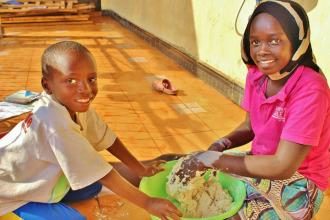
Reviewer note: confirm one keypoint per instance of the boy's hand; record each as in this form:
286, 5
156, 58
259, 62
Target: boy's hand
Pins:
163, 209
221, 145
152, 167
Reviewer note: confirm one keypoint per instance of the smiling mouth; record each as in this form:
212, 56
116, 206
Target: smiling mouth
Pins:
84, 101
266, 61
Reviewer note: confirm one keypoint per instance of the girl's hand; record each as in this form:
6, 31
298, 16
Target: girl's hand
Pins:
221, 145
163, 209
152, 167
195, 164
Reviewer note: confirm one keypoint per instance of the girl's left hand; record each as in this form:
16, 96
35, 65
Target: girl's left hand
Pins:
207, 158
152, 167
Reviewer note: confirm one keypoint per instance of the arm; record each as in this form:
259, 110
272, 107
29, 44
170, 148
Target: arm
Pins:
120, 151
281, 165
158, 207
241, 135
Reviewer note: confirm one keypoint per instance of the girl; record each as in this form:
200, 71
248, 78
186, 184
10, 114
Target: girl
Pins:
287, 101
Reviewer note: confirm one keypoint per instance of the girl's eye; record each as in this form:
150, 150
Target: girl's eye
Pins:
274, 42
254, 43
72, 81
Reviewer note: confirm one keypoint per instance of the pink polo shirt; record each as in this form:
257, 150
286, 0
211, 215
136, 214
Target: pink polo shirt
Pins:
299, 112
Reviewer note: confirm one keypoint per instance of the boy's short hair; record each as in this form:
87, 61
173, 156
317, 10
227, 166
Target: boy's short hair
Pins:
49, 59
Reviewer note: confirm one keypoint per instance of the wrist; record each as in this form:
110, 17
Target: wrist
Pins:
228, 143
146, 202
216, 158
140, 170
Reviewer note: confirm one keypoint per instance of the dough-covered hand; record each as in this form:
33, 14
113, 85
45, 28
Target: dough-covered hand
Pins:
221, 145
163, 209
207, 158
152, 167
194, 164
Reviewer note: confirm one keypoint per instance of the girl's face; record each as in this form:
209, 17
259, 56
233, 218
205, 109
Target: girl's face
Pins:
270, 48
73, 83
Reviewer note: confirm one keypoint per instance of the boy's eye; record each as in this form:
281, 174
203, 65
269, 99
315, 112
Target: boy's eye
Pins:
72, 81
274, 42
93, 80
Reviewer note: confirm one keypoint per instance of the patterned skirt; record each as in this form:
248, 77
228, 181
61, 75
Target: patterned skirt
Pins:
293, 198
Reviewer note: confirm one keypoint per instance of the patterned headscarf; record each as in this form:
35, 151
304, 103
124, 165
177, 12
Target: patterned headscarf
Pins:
294, 21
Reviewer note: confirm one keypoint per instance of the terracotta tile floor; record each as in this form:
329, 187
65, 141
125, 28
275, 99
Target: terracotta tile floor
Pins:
148, 122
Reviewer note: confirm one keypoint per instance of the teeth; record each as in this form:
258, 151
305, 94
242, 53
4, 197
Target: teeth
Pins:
83, 100
266, 61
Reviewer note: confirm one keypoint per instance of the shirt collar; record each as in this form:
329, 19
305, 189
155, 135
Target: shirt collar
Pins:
52, 99
259, 78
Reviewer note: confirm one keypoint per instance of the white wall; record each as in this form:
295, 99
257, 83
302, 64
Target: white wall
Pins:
205, 29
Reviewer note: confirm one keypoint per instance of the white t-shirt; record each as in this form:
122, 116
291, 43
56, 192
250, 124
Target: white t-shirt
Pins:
47, 153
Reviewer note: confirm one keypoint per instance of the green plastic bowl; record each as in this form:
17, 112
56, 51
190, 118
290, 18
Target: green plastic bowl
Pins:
155, 186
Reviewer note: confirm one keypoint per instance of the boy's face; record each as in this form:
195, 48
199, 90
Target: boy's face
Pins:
270, 48
73, 82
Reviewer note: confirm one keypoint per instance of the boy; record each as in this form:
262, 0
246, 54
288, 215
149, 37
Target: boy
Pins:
55, 148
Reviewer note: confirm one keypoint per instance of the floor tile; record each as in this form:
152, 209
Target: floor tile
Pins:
185, 143
137, 59
188, 108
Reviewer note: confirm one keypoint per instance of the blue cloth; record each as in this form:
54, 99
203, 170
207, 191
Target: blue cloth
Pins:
56, 211
13, 2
